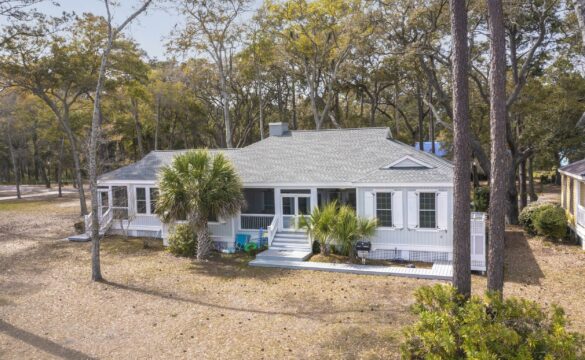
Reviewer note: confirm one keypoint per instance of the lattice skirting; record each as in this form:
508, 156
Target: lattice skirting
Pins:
422, 256
137, 233
220, 245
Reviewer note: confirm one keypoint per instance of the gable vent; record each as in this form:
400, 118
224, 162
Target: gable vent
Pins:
407, 163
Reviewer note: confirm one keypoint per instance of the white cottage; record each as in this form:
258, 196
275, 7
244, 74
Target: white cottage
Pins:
291, 172
573, 196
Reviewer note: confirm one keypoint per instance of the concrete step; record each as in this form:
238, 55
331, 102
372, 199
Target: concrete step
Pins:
83, 237
79, 237
292, 234
290, 241
283, 255
296, 248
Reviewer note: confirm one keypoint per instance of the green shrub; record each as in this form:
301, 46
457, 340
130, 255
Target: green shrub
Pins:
526, 218
551, 222
450, 327
481, 198
182, 241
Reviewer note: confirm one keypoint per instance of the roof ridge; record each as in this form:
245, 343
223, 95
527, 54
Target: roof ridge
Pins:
343, 129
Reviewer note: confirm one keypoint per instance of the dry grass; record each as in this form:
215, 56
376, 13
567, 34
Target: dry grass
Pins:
154, 305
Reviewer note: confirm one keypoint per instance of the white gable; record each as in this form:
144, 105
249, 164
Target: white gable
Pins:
408, 162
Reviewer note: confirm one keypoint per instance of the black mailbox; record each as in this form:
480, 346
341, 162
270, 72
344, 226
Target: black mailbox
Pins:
363, 246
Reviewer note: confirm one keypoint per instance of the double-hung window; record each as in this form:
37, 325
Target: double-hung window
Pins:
427, 210
146, 200
141, 200
384, 209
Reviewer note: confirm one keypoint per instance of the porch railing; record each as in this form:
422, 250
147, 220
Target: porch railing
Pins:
255, 221
581, 215
272, 229
105, 221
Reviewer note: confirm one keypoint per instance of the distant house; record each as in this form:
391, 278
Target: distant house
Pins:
440, 149
573, 196
289, 173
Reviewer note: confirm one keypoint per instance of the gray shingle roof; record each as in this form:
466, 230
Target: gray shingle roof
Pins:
577, 168
317, 157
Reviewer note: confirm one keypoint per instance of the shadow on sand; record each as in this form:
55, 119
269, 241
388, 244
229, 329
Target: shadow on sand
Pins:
521, 264
42, 343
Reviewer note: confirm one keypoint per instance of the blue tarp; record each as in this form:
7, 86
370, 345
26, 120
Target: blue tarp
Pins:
440, 151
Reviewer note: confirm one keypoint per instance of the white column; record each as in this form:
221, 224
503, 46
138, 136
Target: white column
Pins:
314, 198
278, 207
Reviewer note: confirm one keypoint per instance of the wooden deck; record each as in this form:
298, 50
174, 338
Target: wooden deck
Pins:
439, 271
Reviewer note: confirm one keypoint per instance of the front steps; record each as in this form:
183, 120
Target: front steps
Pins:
286, 246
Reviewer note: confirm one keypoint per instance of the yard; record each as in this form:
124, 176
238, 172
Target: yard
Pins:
154, 305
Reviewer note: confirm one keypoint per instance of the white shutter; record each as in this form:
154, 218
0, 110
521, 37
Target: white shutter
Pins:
412, 209
369, 205
442, 210
397, 206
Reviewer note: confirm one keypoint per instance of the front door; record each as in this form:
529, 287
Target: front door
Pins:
293, 206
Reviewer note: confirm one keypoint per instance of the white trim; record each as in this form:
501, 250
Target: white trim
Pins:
404, 158
351, 185
285, 186
127, 182
578, 177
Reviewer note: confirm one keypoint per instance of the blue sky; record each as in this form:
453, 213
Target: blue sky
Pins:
149, 30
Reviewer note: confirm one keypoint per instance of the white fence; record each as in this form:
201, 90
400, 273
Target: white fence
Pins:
478, 242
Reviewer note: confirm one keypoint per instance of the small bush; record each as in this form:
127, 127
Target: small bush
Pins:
79, 227
551, 222
182, 241
488, 327
526, 218
481, 198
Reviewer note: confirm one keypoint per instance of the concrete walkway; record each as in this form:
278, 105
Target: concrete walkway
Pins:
439, 271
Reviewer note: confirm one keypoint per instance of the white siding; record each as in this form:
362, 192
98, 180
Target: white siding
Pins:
406, 238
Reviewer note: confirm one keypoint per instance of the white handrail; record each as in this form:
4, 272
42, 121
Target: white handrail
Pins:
272, 230
580, 215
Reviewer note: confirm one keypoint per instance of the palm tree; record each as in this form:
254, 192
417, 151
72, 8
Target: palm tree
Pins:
349, 228
198, 186
319, 225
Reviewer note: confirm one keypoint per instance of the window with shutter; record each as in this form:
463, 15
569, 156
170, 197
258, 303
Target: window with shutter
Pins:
427, 210
384, 209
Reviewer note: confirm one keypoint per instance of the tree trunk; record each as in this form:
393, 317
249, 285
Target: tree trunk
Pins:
462, 150
512, 203
580, 12
531, 191
204, 243
137, 126
475, 175
13, 158
294, 104
77, 165
497, 80
157, 121
226, 108
60, 168
431, 122
523, 185
421, 116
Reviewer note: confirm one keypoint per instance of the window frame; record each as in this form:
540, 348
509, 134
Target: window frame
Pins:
391, 192
114, 207
435, 210
147, 199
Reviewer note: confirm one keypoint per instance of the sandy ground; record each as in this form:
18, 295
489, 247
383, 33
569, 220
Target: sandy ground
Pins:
154, 305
